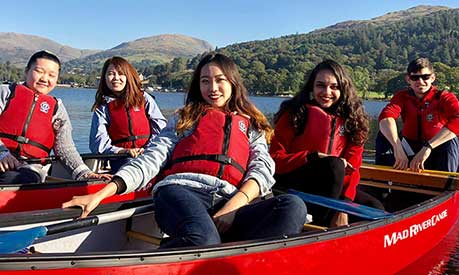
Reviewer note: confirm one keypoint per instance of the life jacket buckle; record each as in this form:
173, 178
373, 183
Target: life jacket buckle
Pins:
22, 139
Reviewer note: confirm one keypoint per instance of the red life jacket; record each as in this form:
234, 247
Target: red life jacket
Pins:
422, 119
219, 146
322, 133
26, 123
129, 127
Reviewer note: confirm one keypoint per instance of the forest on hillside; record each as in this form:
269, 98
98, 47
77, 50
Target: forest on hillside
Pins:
376, 56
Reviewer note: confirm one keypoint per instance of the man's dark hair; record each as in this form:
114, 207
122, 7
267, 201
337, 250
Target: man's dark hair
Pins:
42, 54
419, 64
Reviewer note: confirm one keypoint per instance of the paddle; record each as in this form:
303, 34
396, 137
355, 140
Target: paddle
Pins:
343, 206
83, 156
12, 242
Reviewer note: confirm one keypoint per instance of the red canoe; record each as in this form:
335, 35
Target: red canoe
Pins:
383, 246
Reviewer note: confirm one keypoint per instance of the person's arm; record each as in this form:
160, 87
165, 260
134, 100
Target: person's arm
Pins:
225, 216
261, 166
388, 128
156, 118
353, 156
283, 137
136, 174
99, 140
7, 160
91, 201
65, 148
417, 163
142, 169
258, 180
448, 108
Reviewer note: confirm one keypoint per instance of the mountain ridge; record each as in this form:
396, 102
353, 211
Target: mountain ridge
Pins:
390, 17
17, 48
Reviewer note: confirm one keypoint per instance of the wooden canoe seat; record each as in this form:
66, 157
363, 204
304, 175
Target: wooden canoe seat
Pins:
434, 180
143, 237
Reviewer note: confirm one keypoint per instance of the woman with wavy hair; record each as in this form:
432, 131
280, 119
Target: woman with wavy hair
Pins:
214, 163
125, 117
319, 138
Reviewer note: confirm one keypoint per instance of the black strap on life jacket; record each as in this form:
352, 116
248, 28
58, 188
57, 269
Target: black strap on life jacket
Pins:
223, 159
24, 140
130, 138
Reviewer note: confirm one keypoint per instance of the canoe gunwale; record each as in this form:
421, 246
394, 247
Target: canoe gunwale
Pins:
51, 185
39, 216
132, 258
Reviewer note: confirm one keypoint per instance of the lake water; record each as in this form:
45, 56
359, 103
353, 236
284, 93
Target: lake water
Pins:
78, 103
442, 260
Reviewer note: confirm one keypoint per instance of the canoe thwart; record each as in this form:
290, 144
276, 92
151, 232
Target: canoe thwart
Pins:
432, 179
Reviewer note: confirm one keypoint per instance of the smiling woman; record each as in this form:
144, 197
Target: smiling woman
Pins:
319, 139
125, 117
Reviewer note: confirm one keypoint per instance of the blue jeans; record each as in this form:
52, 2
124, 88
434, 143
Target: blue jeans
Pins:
444, 157
185, 214
116, 163
19, 176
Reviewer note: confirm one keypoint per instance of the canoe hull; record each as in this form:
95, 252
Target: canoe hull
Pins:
380, 247
19, 198
59, 187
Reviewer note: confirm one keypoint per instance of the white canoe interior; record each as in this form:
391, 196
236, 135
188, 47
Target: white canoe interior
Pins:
97, 165
135, 233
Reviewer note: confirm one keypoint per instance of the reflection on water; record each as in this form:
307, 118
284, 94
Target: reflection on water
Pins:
443, 259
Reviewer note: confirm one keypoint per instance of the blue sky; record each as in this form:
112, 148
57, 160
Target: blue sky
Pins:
103, 24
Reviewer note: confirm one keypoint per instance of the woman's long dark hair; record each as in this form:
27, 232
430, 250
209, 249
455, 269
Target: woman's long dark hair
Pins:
132, 96
239, 102
349, 106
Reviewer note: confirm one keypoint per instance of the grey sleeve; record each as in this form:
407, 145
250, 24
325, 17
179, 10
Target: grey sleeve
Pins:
4, 94
64, 147
261, 166
138, 173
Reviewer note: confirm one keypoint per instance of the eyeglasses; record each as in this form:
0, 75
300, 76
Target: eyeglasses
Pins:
416, 77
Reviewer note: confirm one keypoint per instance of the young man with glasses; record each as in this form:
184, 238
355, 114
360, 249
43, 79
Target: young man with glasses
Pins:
430, 121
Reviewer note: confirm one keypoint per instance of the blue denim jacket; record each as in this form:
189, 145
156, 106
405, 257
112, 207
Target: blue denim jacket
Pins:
139, 171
